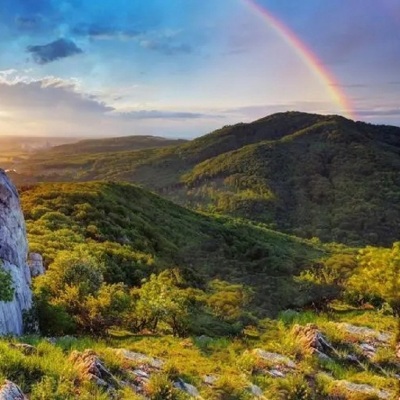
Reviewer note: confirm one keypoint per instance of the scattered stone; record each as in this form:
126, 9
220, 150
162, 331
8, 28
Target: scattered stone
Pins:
140, 358
187, 388
368, 349
362, 389
10, 391
92, 368
366, 333
27, 349
255, 391
141, 374
276, 373
275, 359
35, 263
210, 379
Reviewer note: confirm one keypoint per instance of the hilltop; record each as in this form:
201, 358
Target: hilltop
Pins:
304, 174
115, 144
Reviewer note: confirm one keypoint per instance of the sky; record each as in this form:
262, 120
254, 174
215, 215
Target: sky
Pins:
182, 68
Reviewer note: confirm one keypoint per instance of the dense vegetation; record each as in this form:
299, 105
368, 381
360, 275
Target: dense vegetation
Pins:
305, 174
134, 233
98, 236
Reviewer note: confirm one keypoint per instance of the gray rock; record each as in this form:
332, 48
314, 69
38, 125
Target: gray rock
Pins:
143, 375
140, 358
364, 332
275, 358
187, 388
368, 349
210, 379
13, 255
35, 262
91, 368
27, 349
10, 391
362, 389
256, 391
276, 373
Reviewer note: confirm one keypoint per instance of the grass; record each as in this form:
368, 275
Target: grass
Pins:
230, 361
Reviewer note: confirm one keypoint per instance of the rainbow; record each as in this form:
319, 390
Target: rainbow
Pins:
309, 58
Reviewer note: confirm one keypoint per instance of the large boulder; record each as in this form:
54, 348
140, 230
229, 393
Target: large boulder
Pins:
10, 391
312, 340
13, 255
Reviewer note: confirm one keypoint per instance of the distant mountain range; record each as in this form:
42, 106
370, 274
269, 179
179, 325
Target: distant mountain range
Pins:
305, 174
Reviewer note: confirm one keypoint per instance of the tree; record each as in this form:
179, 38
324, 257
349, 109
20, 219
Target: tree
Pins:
160, 299
73, 292
227, 301
378, 274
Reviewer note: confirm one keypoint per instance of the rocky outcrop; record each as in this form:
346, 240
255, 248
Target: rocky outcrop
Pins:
312, 341
10, 391
91, 368
13, 255
273, 364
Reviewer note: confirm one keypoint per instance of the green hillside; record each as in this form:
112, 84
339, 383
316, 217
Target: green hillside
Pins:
169, 303
304, 174
137, 233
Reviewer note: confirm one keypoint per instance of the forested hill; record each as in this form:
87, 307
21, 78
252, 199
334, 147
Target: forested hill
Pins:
107, 145
136, 233
305, 174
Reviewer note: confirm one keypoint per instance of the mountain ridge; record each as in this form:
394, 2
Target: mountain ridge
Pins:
304, 174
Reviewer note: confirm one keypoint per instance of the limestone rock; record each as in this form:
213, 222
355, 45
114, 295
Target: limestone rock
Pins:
312, 340
27, 349
91, 368
275, 359
140, 358
210, 379
187, 388
13, 255
10, 391
346, 387
255, 391
35, 262
364, 333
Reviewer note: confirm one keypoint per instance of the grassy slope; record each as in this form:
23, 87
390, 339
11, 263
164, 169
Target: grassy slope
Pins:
137, 232
48, 374
305, 174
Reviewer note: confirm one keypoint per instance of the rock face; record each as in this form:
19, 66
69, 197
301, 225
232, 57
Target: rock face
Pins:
13, 254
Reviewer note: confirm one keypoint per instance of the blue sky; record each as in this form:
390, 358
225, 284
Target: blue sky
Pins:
181, 68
